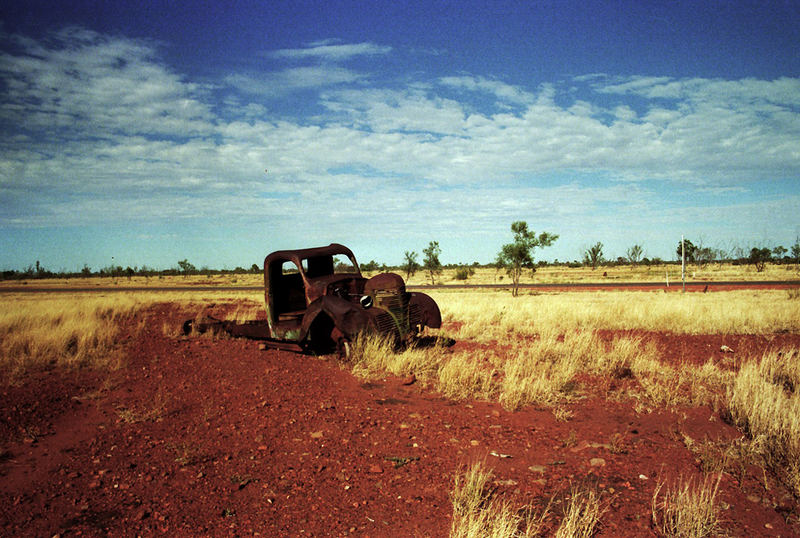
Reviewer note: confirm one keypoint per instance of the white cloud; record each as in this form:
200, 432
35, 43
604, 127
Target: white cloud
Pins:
395, 110
326, 51
97, 85
502, 92
279, 83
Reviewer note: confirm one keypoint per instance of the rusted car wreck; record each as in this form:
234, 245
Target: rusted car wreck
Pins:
318, 301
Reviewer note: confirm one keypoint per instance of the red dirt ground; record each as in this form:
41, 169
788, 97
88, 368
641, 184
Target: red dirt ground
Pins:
214, 437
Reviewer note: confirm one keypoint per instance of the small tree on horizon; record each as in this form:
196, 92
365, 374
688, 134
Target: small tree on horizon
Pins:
186, 267
410, 264
759, 257
779, 252
689, 249
593, 255
431, 262
634, 254
518, 255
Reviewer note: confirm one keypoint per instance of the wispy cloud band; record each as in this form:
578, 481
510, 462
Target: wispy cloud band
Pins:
91, 123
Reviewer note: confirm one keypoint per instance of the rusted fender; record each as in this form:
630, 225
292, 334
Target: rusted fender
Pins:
348, 317
429, 310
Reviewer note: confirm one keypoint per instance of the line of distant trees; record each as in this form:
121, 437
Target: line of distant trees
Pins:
514, 255
699, 255
183, 267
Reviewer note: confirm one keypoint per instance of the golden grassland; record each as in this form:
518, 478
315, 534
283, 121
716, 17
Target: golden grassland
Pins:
40, 331
492, 315
662, 273
73, 330
522, 351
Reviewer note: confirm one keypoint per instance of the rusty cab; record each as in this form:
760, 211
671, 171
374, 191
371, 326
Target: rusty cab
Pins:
317, 299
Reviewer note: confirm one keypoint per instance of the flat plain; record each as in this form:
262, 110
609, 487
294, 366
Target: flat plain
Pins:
553, 413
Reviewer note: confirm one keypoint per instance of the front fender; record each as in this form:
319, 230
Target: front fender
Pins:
348, 317
430, 316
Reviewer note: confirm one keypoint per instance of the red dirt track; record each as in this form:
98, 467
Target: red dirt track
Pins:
196, 436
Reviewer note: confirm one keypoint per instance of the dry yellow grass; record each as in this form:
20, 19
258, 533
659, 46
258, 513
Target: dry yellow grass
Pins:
487, 316
543, 371
64, 330
686, 510
456, 375
476, 514
80, 329
764, 400
642, 273
581, 514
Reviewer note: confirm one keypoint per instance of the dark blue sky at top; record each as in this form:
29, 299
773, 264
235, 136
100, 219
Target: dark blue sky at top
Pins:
517, 41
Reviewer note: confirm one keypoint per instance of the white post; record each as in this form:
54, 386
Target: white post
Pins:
683, 265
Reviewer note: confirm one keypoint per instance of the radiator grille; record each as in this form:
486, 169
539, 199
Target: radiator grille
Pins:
395, 320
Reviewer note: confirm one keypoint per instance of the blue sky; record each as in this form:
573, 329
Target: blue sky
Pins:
145, 134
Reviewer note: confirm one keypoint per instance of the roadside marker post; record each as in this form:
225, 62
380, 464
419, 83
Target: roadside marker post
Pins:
683, 265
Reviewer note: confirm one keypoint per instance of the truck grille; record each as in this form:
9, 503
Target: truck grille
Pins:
395, 320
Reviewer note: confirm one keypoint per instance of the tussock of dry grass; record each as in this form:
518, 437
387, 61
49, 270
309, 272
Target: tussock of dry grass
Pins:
667, 386
581, 514
686, 510
456, 375
68, 331
764, 400
543, 372
476, 514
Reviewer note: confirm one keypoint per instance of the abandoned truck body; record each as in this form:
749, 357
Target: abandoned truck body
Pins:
317, 300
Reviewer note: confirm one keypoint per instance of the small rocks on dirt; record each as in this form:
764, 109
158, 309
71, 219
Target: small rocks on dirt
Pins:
410, 379
725, 349
597, 462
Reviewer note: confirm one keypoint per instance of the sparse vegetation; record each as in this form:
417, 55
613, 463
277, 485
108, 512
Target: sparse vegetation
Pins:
764, 401
476, 513
410, 264
759, 257
686, 509
581, 514
492, 316
634, 254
